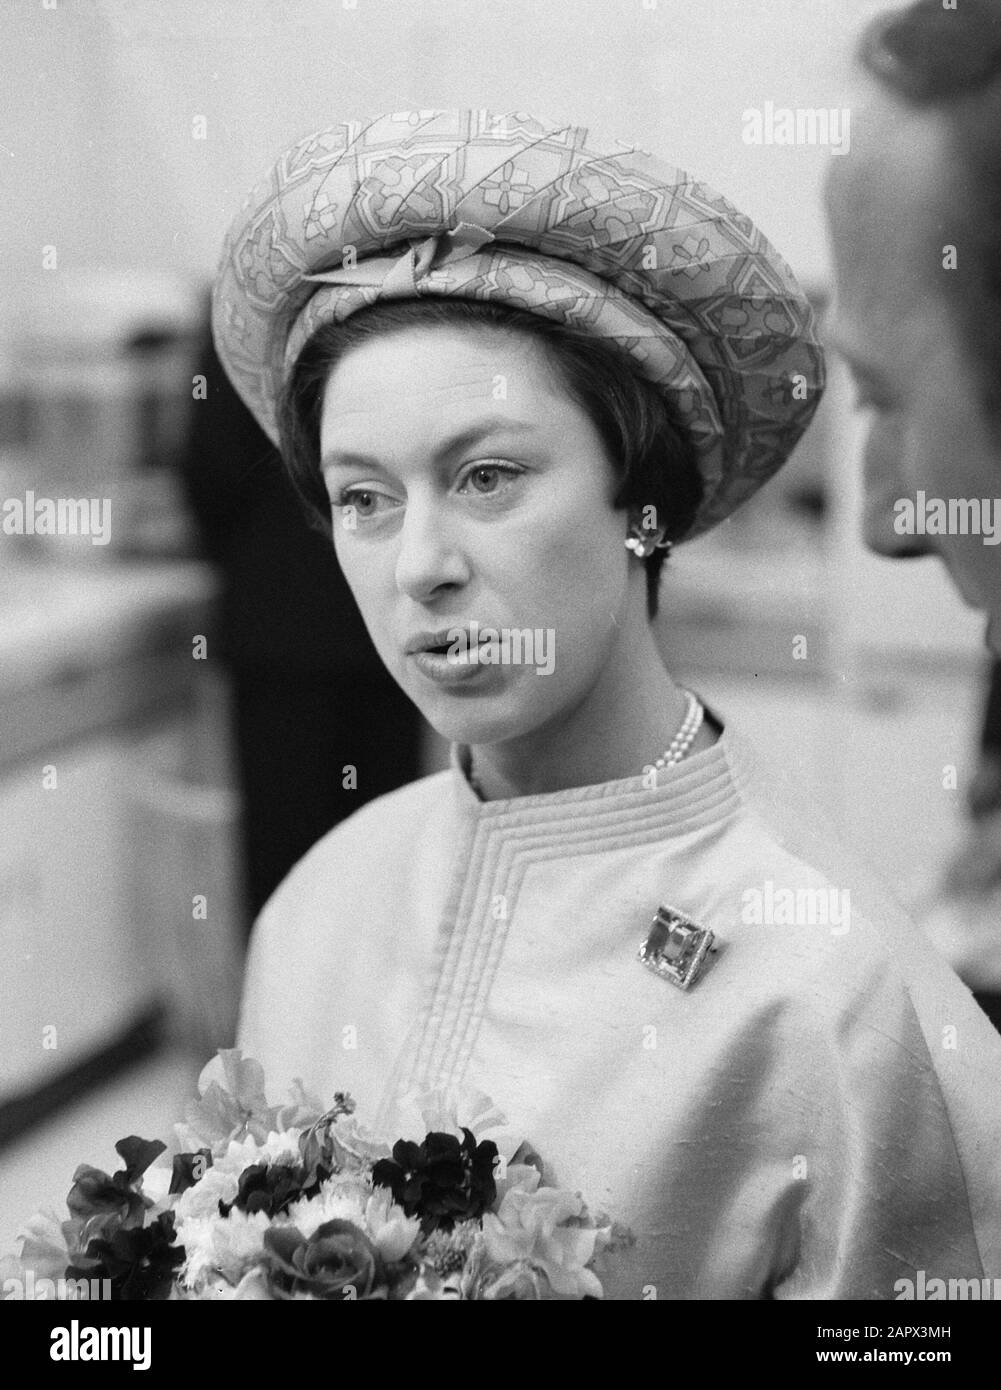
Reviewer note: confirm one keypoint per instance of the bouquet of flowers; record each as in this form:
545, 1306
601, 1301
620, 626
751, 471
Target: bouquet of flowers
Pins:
301, 1202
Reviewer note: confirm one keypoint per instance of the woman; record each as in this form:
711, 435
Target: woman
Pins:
515, 366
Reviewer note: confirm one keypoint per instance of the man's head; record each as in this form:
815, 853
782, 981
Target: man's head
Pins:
916, 235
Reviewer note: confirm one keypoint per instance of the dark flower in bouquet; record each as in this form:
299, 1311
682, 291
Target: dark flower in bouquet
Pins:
118, 1195
443, 1180
138, 1262
268, 1188
338, 1261
114, 1235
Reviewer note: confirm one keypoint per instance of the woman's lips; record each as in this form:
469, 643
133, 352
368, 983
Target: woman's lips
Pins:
437, 666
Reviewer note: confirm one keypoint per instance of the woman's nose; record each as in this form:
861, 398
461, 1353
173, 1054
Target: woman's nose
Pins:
428, 558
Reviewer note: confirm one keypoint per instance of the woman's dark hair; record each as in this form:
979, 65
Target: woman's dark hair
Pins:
653, 458
950, 59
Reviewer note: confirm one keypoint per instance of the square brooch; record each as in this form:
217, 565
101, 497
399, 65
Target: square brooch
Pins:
677, 948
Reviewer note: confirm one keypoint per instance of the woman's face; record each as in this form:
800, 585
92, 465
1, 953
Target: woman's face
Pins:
471, 496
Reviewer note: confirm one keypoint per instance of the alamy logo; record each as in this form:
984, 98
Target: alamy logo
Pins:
935, 1290
76, 1343
57, 516
31, 1289
504, 646
769, 906
955, 516
806, 125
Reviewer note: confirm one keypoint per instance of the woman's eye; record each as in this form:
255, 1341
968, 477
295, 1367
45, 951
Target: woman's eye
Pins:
363, 502
488, 479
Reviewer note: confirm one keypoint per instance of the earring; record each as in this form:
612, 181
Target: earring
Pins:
643, 542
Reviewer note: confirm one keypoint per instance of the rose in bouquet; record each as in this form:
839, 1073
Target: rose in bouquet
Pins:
299, 1201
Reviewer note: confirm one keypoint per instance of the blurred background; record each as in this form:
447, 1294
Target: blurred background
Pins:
178, 706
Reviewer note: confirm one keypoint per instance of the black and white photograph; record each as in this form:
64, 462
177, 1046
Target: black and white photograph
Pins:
500, 666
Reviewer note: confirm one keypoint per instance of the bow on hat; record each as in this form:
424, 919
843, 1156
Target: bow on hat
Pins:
410, 272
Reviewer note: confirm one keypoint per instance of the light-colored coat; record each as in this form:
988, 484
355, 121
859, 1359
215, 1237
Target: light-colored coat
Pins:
818, 1117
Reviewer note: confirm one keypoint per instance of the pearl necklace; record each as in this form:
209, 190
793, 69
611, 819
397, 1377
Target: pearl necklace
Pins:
679, 746
673, 754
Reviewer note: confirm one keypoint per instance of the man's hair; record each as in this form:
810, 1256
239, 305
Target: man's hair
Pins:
950, 60
653, 458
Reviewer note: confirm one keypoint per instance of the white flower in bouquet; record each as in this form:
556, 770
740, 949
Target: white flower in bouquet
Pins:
202, 1200
222, 1246
392, 1231
541, 1229
334, 1202
244, 1153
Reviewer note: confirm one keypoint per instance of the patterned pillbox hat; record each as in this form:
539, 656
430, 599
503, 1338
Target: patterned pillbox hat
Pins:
547, 217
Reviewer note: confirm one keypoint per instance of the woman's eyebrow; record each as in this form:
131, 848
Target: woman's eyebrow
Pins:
335, 458
455, 444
